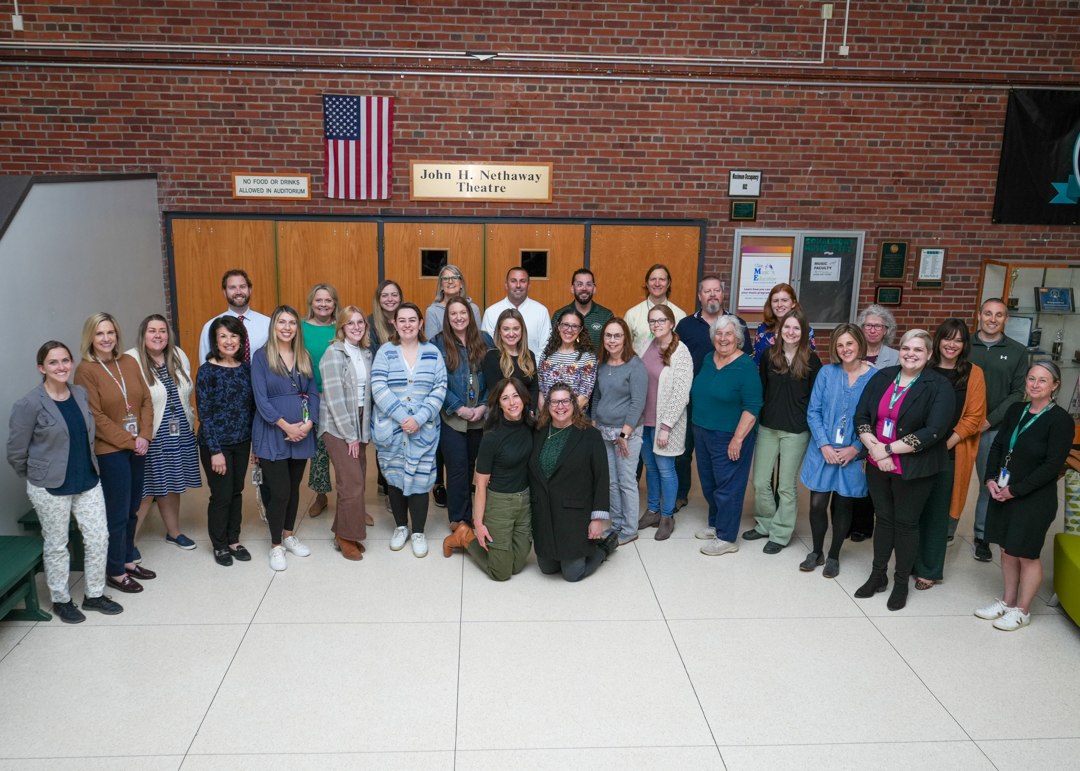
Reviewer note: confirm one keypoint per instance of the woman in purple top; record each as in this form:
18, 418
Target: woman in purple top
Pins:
904, 416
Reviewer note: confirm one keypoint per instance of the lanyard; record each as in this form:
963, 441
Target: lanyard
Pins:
294, 375
119, 383
898, 392
1019, 430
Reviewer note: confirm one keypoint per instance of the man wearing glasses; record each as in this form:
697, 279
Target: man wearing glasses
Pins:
537, 318
583, 285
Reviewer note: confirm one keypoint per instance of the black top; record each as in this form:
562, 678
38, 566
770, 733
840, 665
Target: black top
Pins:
1040, 451
924, 421
493, 374
504, 454
80, 468
785, 399
225, 403
959, 394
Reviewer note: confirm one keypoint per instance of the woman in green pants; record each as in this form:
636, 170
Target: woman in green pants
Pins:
502, 513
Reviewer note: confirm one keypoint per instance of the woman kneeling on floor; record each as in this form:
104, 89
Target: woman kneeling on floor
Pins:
502, 511
568, 484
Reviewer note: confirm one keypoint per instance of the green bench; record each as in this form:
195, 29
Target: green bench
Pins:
31, 524
20, 555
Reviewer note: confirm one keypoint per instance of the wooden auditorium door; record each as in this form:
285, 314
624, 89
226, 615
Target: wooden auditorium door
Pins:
415, 251
343, 254
203, 250
620, 255
551, 254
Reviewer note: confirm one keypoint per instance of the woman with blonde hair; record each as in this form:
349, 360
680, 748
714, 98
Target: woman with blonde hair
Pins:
451, 284
286, 404
172, 463
123, 427
380, 323
345, 423
320, 326
511, 356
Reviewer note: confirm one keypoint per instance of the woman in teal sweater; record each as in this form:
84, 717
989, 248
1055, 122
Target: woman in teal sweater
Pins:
726, 398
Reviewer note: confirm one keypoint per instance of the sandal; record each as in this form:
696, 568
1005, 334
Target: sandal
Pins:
923, 583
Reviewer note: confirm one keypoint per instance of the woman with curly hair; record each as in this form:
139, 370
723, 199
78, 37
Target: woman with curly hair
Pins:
569, 358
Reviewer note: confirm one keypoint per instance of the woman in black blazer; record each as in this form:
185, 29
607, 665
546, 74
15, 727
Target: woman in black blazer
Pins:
568, 482
903, 418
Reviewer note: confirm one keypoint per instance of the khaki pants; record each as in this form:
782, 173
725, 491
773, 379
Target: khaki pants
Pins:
508, 517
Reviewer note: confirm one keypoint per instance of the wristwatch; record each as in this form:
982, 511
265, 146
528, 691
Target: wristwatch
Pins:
623, 436
888, 448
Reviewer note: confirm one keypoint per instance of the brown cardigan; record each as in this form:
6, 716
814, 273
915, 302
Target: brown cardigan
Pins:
108, 407
968, 431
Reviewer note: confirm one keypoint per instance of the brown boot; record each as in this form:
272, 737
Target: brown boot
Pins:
349, 550
317, 505
461, 538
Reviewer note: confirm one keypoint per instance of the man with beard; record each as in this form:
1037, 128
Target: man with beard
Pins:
694, 332
237, 288
583, 285
537, 318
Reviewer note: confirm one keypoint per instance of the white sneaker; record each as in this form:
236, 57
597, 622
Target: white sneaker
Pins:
706, 534
716, 547
419, 545
293, 544
277, 558
398, 539
990, 612
1013, 620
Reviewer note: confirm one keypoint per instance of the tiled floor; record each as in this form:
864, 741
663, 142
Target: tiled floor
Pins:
664, 659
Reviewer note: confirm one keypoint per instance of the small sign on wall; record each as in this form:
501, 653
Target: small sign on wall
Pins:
438, 181
746, 184
293, 186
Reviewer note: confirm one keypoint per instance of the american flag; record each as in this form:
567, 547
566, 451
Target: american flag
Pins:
359, 145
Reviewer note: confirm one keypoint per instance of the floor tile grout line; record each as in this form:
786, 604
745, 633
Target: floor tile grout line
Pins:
225, 674
681, 660
20, 640
457, 690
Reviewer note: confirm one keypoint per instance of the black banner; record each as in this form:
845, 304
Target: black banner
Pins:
1039, 173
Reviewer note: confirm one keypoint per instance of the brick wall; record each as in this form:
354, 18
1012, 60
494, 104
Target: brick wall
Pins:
901, 139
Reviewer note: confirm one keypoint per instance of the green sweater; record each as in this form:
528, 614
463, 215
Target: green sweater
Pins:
720, 396
1004, 365
317, 339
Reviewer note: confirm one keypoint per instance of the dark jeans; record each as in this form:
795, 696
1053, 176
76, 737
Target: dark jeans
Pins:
685, 462
122, 485
226, 508
459, 450
862, 514
723, 481
819, 521
283, 478
899, 504
575, 569
403, 506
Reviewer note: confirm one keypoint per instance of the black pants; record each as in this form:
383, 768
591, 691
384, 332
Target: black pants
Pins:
819, 521
575, 569
226, 508
899, 504
402, 506
862, 514
283, 477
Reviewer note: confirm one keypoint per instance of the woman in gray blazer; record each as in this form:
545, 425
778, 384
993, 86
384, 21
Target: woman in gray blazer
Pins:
51, 446
345, 420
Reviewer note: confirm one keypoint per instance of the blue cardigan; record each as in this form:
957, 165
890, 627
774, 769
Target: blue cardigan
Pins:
276, 398
832, 405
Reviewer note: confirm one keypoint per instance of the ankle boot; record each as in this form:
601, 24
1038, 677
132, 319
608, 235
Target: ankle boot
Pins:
348, 549
898, 598
460, 538
649, 519
878, 582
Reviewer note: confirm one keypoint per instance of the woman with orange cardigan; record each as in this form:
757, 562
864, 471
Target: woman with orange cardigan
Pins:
950, 358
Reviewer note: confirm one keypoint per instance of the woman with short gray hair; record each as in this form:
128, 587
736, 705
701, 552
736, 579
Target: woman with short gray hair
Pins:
879, 326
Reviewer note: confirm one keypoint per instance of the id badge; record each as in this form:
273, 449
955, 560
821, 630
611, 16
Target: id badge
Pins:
306, 416
888, 428
839, 436
1003, 478
174, 427
131, 425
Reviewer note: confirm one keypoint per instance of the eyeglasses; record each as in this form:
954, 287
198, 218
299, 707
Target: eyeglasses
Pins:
873, 326
569, 327
448, 279
614, 336
359, 323
657, 322
561, 402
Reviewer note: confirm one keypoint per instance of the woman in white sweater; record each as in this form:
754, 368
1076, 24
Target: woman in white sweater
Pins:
671, 373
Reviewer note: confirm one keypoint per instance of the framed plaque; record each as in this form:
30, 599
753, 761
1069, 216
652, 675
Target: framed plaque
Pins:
889, 295
892, 262
744, 210
931, 269
1054, 299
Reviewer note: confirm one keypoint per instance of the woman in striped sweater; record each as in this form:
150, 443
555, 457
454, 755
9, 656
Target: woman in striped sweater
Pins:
408, 385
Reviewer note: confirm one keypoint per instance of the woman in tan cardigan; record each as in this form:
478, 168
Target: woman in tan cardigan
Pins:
950, 357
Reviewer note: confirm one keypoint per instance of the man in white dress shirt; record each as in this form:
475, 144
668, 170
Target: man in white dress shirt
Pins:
537, 317
237, 288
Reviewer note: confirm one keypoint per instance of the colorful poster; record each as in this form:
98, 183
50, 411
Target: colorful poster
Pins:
760, 269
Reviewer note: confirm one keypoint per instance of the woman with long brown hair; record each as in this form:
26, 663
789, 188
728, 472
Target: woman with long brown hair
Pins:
463, 347
780, 303
788, 371
569, 358
511, 356
388, 297
670, 369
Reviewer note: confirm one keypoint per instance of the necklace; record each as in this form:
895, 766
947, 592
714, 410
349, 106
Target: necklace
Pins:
552, 433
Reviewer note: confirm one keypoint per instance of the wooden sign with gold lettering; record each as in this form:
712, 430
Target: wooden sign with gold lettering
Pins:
443, 181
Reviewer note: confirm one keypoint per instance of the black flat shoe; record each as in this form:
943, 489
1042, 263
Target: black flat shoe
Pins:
878, 582
813, 559
223, 557
772, 547
858, 537
609, 544
898, 598
753, 535
240, 554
